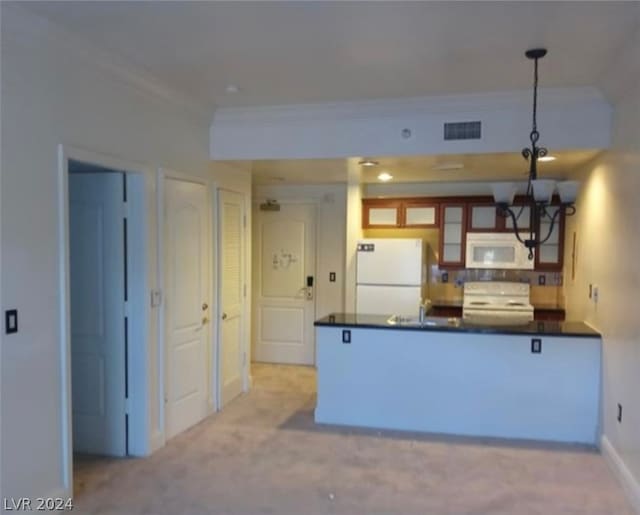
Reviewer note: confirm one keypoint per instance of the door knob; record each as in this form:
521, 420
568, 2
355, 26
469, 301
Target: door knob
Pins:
205, 306
224, 316
205, 320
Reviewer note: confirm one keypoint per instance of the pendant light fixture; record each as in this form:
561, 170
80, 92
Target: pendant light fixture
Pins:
539, 192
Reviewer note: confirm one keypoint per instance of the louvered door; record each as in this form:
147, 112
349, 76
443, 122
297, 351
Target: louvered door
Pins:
232, 356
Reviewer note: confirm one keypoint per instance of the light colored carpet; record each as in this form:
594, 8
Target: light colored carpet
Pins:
264, 455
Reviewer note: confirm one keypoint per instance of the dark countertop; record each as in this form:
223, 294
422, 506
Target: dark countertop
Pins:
540, 328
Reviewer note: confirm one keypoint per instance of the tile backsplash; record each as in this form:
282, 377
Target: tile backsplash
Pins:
546, 287
458, 277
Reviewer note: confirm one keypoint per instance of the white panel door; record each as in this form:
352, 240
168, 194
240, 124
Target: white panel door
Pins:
97, 290
284, 306
232, 294
186, 308
390, 261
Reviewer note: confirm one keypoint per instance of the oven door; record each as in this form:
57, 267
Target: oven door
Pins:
497, 317
497, 251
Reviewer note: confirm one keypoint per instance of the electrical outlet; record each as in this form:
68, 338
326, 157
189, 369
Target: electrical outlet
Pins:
332, 277
346, 336
542, 280
11, 321
536, 345
619, 413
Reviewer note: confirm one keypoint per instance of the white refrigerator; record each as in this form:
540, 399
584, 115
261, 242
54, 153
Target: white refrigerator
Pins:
390, 274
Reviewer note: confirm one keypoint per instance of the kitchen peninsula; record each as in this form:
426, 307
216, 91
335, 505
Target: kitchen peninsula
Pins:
538, 381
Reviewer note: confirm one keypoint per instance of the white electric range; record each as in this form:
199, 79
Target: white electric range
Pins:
496, 303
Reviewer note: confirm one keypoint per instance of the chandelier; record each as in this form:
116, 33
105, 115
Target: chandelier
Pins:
539, 193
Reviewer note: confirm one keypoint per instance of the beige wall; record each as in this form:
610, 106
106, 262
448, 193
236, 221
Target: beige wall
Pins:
353, 234
607, 229
54, 93
331, 202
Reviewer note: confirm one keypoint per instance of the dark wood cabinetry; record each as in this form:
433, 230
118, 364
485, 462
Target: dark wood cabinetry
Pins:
549, 314
381, 213
399, 213
453, 222
446, 311
454, 217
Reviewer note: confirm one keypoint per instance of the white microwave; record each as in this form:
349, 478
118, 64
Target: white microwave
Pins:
497, 250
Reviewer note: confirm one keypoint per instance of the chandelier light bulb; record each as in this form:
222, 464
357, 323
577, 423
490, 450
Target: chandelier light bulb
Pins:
568, 191
543, 189
504, 192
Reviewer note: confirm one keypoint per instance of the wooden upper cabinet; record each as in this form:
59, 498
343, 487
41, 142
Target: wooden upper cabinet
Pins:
550, 255
486, 218
455, 216
523, 217
483, 218
381, 213
453, 235
418, 213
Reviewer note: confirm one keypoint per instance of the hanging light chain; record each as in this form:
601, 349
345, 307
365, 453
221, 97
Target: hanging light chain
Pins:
535, 135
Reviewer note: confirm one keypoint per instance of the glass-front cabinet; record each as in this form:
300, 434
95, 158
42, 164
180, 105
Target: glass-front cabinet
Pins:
452, 235
418, 213
550, 254
483, 218
381, 213
455, 217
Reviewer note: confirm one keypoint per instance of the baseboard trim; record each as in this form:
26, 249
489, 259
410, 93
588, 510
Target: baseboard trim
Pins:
157, 441
231, 390
622, 473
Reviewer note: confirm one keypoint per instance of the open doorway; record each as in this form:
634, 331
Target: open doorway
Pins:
105, 277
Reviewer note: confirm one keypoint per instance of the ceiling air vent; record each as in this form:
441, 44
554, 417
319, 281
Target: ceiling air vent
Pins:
462, 130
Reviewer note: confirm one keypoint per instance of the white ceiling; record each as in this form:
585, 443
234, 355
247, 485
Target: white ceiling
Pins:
414, 169
318, 51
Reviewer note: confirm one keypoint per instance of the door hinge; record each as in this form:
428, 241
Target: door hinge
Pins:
125, 210
127, 405
127, 309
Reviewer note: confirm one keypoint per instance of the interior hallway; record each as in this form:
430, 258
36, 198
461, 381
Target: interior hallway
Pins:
264, 455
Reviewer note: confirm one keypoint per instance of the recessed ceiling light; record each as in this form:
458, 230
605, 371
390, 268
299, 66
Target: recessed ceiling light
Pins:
367, 161
545, 159
448, 166
385, 176
232, 88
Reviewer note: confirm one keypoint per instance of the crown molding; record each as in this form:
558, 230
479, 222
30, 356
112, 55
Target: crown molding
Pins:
24, 27
403, 107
